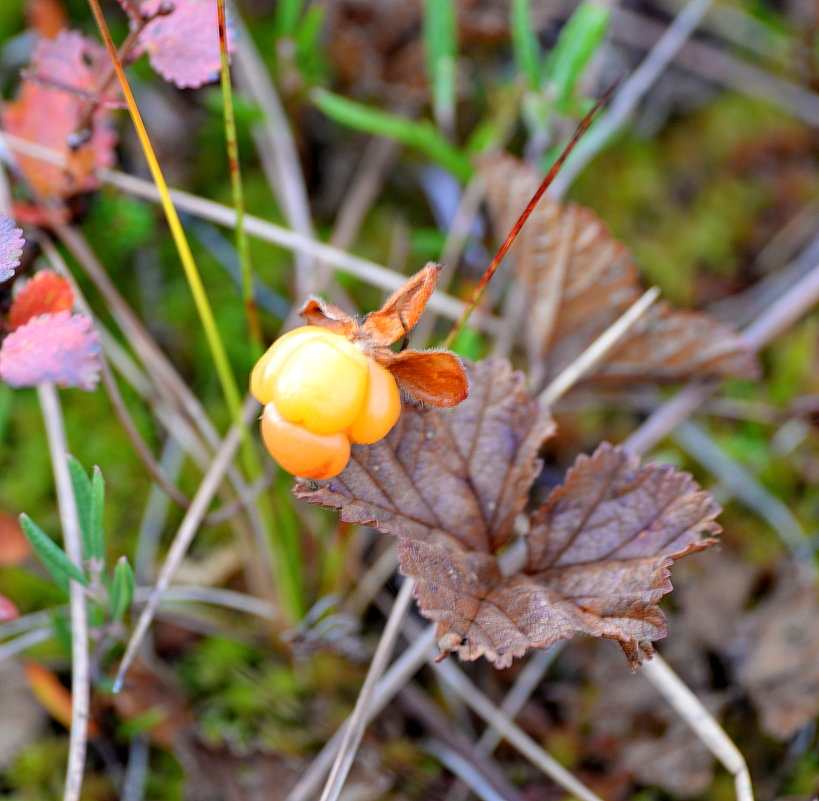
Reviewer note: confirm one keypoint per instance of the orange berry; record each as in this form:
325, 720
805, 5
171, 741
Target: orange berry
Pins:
302, 452
264, 373
315, 377
382, 407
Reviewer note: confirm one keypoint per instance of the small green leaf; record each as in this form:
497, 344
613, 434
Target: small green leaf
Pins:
578, 42
51, 555
82, 497
96, 541
122, 589
525, 43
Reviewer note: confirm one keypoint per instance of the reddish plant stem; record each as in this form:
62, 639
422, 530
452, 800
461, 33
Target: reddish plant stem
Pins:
477, 294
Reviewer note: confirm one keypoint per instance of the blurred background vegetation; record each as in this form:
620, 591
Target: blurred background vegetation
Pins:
712, 185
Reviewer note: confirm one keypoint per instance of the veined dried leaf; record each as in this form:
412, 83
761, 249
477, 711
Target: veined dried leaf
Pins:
183, 46
450, 484
64, 76
460, 473
11, 247
61, 348
575, 280
45, 293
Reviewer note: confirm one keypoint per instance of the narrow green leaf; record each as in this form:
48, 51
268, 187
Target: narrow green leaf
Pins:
122, 589
440, 44
286, 17
525, 43
51, 555
578, 42
420, 134
96, 540
82, 497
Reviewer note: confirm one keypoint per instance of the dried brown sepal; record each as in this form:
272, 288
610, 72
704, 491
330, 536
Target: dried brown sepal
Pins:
433, 377
575, 279
449, 485
403, 309
436, 378
320, 313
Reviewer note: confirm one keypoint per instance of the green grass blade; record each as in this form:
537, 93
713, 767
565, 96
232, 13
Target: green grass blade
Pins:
53, 557
440, 43
286, 17
418, 134
578, 42
525, 45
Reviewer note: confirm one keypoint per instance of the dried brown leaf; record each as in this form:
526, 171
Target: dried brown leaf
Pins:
449, 485
462, 473
575, 280
782, 670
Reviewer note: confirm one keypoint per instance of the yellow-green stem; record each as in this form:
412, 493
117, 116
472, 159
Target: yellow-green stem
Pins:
253, 325
291, 596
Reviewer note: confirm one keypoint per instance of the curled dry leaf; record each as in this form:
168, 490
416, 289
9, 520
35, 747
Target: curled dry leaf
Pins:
61, 348
45, 293
781, 672
575, 280
450, 484
63, 78
436, 378
182, 45
11, 247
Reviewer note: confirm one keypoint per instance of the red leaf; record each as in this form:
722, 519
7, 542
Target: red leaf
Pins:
61, 348
450, 484
183, 46
11, 247
65, 72
45, 293
575, 280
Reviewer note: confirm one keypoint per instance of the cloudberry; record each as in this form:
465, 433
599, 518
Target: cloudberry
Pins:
320, 393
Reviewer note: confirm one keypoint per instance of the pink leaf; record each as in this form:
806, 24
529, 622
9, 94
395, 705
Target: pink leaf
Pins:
8, 611
61, 348
183, 46
11, 247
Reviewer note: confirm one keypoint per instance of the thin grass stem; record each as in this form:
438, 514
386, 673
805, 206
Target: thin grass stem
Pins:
357, 722
69, 519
